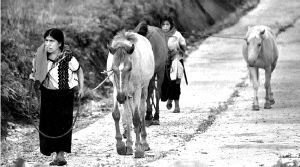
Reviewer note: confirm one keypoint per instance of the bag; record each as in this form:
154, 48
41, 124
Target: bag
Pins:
176, 71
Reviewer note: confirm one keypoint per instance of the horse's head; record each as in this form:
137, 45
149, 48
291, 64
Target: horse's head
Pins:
121, 66
254, 41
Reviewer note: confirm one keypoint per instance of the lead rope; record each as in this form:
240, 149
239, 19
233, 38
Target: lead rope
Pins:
104, 72
75, 118
64, 134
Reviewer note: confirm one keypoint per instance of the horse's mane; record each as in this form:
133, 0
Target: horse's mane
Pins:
120, 42
255, 31
123, 38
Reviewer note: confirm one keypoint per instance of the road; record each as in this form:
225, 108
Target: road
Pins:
219, 93
240, 136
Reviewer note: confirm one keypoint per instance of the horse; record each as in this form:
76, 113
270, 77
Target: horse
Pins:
131, 62
160, 49
261, 51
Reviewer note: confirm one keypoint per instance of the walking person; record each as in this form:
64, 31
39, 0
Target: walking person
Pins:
174, 68
59, 73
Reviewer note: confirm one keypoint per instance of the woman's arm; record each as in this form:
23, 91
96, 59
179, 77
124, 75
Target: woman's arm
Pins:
181, 42
182, 47
80, 81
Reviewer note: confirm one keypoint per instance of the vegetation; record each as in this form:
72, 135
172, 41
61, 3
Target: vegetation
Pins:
89, 25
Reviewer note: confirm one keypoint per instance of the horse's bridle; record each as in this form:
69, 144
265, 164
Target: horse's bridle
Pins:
126, 94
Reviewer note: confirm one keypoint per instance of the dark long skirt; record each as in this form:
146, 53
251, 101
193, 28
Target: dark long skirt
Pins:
170, 89
56, 118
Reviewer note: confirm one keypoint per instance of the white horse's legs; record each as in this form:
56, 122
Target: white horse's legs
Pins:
268, 88
272, 101
254, 77
145, 145
139, 152
134, 112
127, 117
129, 142
121, 149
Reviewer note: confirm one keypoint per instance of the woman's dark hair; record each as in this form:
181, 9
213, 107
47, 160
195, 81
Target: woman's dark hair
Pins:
56, 34
169, 19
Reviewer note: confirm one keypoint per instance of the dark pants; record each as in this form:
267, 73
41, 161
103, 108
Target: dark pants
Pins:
56, 118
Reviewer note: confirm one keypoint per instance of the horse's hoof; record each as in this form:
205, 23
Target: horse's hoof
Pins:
145, 147
121, 148
148, 116
267, 106
148, 123
129, 150
139, 153
255, 107
272, 101
155, 122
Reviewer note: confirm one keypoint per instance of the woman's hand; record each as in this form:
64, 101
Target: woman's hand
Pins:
80, 93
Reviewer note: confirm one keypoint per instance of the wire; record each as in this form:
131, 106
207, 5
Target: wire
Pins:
217, 36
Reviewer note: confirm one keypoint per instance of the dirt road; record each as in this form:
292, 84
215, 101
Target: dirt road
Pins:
218, 92
240, 136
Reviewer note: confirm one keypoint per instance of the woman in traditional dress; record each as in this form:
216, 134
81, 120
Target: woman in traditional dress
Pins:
59, 73
174, 68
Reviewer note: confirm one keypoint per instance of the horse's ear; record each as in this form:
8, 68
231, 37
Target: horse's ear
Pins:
131, 49
262, 33
111, 49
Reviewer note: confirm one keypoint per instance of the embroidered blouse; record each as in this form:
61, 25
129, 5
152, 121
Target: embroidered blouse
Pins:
62, 75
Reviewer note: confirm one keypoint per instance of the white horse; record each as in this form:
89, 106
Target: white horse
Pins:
131, 60
261, 52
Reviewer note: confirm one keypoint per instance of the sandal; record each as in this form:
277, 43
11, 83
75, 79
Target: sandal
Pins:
176, 111
54, 162
62, 162
58, 162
